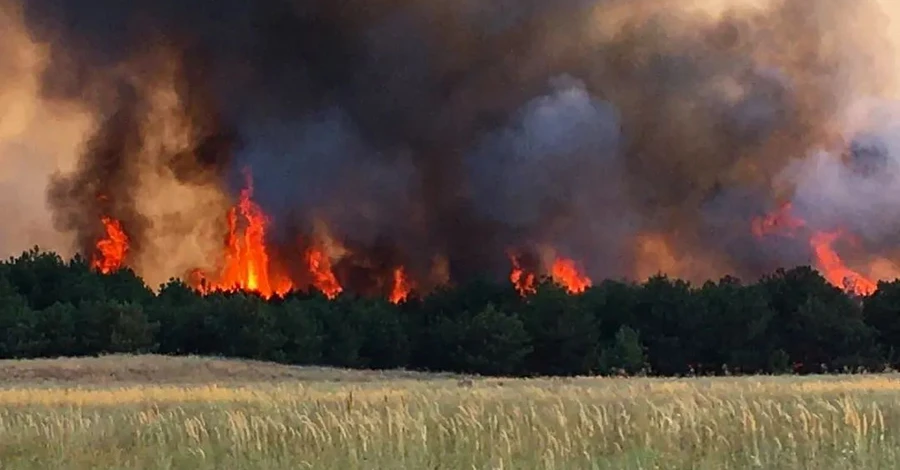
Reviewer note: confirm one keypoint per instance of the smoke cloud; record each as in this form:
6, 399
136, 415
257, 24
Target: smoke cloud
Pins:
631, 136
37, 137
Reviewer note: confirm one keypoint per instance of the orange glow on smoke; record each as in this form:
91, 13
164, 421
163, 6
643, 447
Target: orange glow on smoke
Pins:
401, 286
566, 274
782, 220
324, 280
111, 249
827, 260
654, 255
247, 265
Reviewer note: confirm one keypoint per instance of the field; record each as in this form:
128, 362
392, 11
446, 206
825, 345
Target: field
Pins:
196, 413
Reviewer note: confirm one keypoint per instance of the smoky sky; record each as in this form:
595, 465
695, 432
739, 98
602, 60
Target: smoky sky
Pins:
465, 128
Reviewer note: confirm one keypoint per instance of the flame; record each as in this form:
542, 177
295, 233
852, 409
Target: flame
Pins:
565, 273
827, 260
402, 286
833, 268
524, 282
324, 280
112, 248
247, 265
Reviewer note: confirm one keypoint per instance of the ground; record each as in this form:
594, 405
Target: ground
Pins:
152, 412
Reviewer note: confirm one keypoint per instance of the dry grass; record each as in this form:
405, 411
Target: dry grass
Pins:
117, 369
379, 421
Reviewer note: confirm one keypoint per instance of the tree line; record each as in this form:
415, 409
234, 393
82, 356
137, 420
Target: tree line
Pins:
792, 321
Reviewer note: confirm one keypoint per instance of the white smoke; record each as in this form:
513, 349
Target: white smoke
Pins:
855, 190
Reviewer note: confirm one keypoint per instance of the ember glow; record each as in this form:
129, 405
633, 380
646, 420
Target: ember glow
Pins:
112, 248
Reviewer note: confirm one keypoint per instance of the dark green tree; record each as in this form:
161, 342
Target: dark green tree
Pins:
106, 327
817, 324
790, 320
564, 335
18, 338
433, 324
882, 313
341, 330
734, 334
185, 321
670, 318
492, 343
612, 303
56, 330
384, 344
625, 353
299, 333
242, 325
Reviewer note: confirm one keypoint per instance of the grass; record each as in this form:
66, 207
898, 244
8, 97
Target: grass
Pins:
242, 415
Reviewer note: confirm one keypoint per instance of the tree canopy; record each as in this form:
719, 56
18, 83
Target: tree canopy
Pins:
790, 321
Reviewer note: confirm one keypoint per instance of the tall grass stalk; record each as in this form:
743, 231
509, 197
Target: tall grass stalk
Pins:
771, 423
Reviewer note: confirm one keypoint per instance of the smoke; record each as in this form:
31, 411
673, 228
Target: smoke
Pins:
540, 176
156, 164
853, 190
632, 136
29, 154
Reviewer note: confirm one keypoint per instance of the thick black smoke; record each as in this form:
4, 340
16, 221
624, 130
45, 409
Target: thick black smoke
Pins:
462, 129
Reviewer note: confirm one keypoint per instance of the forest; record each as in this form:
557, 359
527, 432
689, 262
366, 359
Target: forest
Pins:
790, 321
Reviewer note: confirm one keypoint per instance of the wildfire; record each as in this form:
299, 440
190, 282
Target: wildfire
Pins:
827, 260
563, 271
834, 269
112, 248
401, 287
524, 282
566, 273
323, 277
247, 265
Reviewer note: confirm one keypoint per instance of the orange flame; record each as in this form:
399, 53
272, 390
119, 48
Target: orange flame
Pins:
323, 277
112, 248
523, 282
827, 260
834, 269
247, 265
565, 273
402, 286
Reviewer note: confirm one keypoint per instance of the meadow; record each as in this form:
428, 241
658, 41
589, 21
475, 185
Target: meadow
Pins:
151, 412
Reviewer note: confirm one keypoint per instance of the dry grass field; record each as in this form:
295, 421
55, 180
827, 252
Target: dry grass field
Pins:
152, 412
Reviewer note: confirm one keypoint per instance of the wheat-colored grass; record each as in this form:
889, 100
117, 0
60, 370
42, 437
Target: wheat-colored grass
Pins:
419, 422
